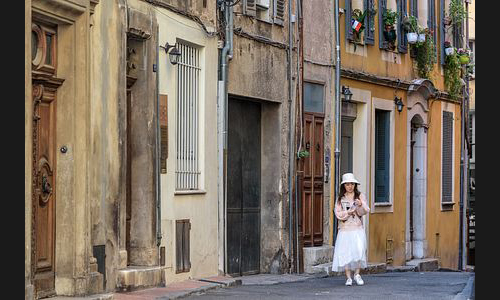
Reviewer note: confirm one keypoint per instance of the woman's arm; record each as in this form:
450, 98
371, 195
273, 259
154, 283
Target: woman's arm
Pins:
339, 213
363, 209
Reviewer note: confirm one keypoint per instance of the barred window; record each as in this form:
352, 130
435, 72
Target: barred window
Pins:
187, 130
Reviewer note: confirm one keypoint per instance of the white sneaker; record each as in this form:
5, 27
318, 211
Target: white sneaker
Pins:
349, 281
358, 279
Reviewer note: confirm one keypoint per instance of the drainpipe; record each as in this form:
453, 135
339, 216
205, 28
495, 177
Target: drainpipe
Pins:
290, 138
337, 114
158, 152
300, 52
223, 111
464, 155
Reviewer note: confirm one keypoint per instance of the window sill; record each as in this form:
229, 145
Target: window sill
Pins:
383, 204
447, 206
190, 192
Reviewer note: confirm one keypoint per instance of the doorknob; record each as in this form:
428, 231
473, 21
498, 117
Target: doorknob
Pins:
417, 169
317, 146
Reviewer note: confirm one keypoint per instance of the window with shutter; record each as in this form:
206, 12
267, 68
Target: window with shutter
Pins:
414, 8
382, 155
182, 236
402, 39
249, 7
447, 159
279, 12
369, 7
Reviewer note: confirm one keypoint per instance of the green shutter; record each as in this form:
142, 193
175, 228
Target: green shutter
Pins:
447, 163
382, 155
441, 30
369, 36
402, 39
348, 17
382, 4
431, 22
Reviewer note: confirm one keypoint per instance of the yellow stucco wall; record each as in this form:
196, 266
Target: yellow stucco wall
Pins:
392, 225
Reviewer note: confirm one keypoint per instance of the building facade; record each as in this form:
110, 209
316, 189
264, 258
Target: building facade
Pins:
408, 159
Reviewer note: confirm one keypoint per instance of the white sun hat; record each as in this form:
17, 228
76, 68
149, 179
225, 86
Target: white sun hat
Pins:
349, 177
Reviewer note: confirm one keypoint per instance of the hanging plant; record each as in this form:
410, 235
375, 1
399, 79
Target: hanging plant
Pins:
425, 55
303, 153
452, 77
456, 13
410, 25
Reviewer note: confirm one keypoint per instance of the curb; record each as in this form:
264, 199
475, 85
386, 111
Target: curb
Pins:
468, 290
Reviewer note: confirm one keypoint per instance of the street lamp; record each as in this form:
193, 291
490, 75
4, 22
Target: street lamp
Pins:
399, 103
174, 54
347, 93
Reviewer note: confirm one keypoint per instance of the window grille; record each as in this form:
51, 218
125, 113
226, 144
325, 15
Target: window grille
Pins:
187, 131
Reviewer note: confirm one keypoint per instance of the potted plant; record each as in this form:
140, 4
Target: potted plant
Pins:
448, 49
421, 34
390, 36
425, 55
452, 79
463, 56
456, 13
410, 25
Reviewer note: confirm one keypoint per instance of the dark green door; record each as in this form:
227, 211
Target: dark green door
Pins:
243, 187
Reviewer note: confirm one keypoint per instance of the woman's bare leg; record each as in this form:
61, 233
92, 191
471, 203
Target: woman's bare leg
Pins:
356, 272
347, 272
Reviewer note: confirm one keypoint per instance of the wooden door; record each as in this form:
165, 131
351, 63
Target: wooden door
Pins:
243, 188
45, 85
312, 183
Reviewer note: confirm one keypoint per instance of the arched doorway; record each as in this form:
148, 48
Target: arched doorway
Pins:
419, 93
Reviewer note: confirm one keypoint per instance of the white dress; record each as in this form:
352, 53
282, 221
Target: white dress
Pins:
350, 246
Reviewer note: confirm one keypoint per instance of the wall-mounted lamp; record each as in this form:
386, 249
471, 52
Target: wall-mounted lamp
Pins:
399, 104
347, 93
174, 54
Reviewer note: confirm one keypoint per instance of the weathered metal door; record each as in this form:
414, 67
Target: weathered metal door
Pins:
45, 84
243, 187
312, 189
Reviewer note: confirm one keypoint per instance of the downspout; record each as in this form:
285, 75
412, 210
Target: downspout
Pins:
299, 86
467, 165
291, 155
337, 114
223, 104
158, 152
464, 156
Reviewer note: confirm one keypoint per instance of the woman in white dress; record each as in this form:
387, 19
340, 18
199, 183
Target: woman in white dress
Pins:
350, 247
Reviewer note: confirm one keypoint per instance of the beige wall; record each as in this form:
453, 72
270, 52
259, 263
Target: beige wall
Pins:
200, 208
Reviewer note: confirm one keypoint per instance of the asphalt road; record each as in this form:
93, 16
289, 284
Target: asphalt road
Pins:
386, 286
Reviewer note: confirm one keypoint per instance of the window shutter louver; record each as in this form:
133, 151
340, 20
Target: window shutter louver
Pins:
447, 157
441, 30
414, 8
279, 12
369, 23
382, 156
402, 40
431, 21
250, 8
382, 4
348, 17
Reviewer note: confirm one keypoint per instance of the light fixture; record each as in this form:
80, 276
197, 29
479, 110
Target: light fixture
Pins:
347, 93
399, 104
174, 54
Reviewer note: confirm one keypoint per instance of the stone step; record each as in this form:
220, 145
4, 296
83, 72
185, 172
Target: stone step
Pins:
108, 296
402, 269
134, 278
424, 264
314, 256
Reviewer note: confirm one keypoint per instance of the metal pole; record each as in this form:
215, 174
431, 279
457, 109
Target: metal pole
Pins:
158, 151
337, 113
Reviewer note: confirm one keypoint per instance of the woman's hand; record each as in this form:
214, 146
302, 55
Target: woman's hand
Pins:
358, 202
